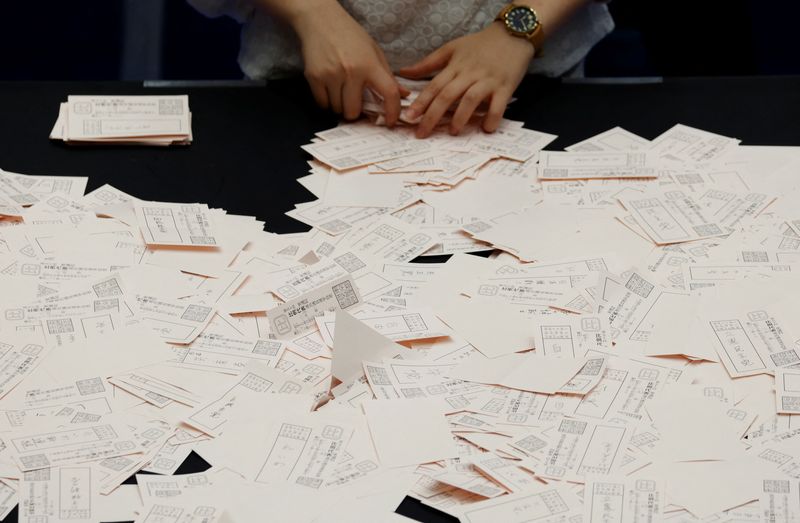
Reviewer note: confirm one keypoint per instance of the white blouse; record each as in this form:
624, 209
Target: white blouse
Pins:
407, 30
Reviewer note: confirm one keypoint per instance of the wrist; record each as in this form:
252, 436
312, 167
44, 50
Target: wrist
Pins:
519, 46
553, 14
302, 14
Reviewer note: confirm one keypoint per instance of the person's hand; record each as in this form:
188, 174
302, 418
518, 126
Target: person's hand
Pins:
341, 59
484, 66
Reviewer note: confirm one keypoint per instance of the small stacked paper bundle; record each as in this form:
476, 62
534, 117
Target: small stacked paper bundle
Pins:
133, 120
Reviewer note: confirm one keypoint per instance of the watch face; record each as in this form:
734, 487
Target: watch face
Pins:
521, 20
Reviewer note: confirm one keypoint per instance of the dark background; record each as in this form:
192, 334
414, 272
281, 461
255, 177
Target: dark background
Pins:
168, 39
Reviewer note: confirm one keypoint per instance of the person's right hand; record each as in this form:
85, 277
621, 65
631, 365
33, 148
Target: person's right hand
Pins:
341, 59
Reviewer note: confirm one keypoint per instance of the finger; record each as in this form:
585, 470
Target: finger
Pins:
403, 91
320, 93
431, 91
436, 61
400, 88
334, 90
496, 109
318, 89
452, 92
386, 86
352, 95
382, 58
466, 107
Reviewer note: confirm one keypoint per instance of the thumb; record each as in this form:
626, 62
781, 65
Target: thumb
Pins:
435, 61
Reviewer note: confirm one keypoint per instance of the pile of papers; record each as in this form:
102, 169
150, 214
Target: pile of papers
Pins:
627, 352
124, 120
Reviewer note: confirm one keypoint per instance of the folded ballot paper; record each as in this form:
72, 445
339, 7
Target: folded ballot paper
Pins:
131, 120
627, 352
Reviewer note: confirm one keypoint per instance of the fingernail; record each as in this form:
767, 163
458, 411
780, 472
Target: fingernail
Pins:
411, 112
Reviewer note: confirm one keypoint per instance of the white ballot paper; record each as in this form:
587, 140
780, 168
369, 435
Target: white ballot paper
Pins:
16, 362
181, 511
615, 139
255, 381
152, 488
64, 445
619, 499
687, 144
521, 371
348, 153
391, 240
223, 353
405, 325
685, 436
295, 281
9, 207
787, 391
780, 500
298, 316
363, 190
59, 494
556, 165
299, 449
175, 224
472, 319
571, 336
174, 320
8, 498
578, 448
354, 343
409, 432
671, 217
748, 337
544, 505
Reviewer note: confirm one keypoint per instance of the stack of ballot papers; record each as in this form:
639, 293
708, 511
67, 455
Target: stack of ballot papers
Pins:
627, 349
132, 120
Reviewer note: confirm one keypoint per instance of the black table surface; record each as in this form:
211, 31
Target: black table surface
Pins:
246, 153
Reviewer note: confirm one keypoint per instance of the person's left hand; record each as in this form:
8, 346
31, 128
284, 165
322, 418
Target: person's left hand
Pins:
488, 65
